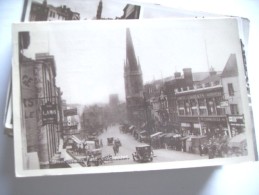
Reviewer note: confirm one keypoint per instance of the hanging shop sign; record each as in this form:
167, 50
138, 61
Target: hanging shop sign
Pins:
236, 120
49, 113
70, 112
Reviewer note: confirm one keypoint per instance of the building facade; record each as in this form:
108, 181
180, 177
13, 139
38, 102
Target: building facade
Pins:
213, 106
130, 12
232, 96
40, 113
46, 12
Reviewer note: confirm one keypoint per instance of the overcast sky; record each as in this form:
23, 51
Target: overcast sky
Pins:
90, 55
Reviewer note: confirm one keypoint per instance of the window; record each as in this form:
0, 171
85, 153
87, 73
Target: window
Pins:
234, 109
187, 107
230, 89
194, 107
181, 107
181, 112
199, 85
210, 106
202, 102
207, 84
215, 83
180, 103
202, 107
220, 110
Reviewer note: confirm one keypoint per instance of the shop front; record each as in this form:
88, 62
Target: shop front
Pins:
236, 124
214, 126
189, 126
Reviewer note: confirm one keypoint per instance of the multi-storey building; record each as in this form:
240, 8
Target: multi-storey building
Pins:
40, 110
232, 96
47, 12
130, 12
213, 105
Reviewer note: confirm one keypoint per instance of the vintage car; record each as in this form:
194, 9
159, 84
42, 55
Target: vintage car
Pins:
144, 153
94, 158
110, 141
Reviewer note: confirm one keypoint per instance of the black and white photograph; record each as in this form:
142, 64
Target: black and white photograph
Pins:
113, 96
64, 10
52, 10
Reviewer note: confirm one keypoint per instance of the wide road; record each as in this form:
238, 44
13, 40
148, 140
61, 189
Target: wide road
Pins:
129, 144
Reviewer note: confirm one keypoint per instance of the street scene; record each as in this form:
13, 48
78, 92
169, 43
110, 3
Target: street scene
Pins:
127, 149
114, 104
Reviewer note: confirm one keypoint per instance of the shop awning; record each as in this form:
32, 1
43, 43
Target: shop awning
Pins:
184, 138
141, 132
170, 135
76, 139
162, 135
131, 127
155, 134
177, 135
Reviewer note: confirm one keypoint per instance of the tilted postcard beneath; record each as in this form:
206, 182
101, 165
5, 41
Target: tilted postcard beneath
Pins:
63, 10
119, 96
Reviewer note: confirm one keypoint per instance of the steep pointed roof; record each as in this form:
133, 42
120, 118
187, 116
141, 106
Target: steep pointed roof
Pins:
230, 69
131, 59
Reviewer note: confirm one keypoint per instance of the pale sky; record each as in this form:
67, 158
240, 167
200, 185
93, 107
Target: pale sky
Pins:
90, 55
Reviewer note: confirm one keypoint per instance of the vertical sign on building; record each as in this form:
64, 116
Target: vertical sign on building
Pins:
28, 95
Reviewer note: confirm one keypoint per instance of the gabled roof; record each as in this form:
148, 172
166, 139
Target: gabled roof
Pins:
230, 69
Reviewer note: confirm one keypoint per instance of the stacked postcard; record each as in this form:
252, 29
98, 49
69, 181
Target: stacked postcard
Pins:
118, 86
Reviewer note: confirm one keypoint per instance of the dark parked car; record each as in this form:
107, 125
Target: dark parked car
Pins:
144, 153
95, 157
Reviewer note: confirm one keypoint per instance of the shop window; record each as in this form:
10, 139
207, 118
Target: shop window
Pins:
230, 89
234, 109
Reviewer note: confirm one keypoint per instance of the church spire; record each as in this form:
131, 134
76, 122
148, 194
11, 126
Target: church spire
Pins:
99, 10
131, 57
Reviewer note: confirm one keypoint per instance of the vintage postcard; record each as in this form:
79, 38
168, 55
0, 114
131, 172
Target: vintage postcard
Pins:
97, 97
64, 10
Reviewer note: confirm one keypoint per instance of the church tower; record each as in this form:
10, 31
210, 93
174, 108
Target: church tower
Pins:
133, 85
99, 10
